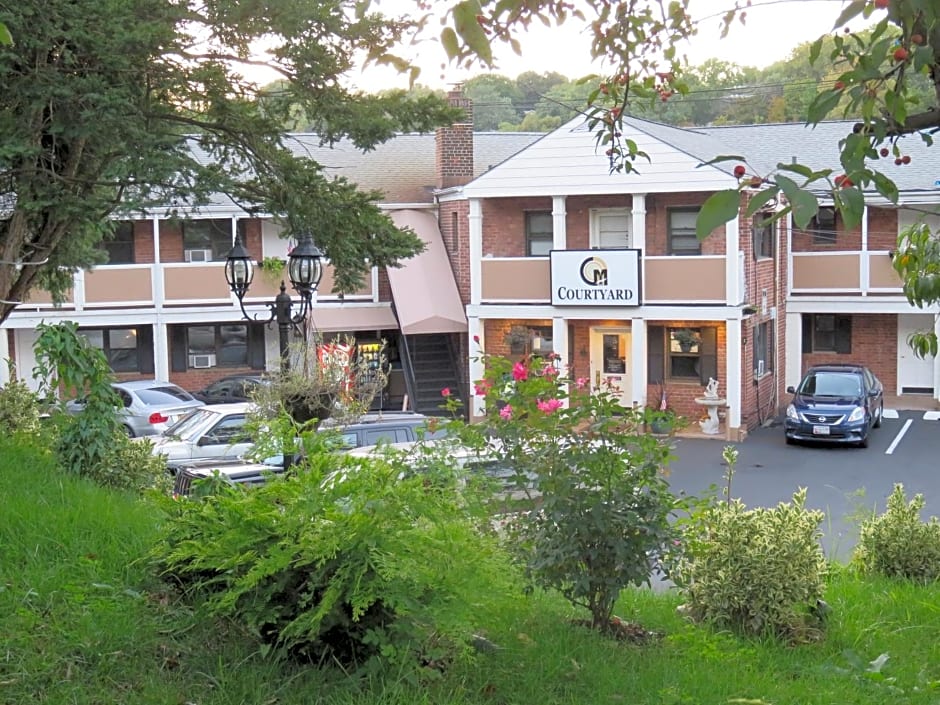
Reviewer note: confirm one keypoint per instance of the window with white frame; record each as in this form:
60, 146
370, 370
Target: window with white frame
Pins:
209, 240
119, 346
762, 232
539, 238
763, 349
681, 229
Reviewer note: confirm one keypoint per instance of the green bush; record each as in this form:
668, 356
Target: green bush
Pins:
342, 561
20, 409
898, 543
759, 571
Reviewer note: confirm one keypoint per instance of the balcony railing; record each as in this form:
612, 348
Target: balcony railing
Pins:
175, 284
843, 273
666, 280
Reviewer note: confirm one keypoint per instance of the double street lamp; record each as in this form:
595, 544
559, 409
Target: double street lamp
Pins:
304, 268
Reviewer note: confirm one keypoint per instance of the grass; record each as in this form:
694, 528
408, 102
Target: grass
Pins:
84, 621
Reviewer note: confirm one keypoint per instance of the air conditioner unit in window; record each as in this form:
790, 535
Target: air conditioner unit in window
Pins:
201, 362
198, 255
826, 217
760, 368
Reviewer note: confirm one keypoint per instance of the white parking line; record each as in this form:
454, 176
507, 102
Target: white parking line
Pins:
932, 416
897, 438
889, 414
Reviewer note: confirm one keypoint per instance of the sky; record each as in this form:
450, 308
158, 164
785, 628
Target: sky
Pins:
772, 30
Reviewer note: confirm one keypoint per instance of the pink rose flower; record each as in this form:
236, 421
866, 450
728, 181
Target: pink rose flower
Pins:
549, 406
481, 388
581, 382
445, 392
476, 339
506, 412
549, 371
520, 372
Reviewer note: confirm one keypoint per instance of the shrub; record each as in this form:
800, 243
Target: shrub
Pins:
604, 503
130, 464
20, 409
341, 561
759, 571
897, 543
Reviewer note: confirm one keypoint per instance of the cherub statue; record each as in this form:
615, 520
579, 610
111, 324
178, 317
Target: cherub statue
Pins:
711, 389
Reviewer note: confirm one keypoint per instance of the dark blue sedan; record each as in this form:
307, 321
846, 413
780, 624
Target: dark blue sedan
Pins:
837, 403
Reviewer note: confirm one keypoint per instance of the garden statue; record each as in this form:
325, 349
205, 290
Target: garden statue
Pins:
711, 389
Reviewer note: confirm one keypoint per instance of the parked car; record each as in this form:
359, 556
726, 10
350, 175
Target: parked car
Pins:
214, 432
150, 406
838, 403
234, 388
370, 429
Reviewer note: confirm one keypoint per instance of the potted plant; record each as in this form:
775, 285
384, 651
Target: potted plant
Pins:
661, 421
687, 338
272, 269
518, 339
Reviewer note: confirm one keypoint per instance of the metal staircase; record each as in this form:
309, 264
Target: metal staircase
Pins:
430, 365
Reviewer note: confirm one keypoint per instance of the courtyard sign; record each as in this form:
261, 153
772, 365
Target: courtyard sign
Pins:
595, 277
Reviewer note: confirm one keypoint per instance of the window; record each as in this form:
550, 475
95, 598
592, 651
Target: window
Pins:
683, 354
208, 240
823, 226
542, 343
539, 239
119, 345
217, 345
826, 332
684, 350
682, 238
120, 244
762, 231
763, 349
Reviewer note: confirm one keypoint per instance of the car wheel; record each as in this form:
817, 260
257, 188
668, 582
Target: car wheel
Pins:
864, 442
129, 431
881, 411
790, 441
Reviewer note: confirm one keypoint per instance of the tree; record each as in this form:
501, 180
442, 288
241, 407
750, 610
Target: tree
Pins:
116, 106
876, 86
495, 100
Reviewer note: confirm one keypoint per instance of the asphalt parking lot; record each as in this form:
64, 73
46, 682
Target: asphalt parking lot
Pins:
841, 481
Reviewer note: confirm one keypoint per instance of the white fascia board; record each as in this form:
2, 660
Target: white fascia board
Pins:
574, 313
843, 304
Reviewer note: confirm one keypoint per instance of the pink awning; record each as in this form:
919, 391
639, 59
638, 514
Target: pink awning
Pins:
424, 289
352, 317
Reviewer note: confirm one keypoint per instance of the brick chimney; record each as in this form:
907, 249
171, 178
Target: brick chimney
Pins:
453, 162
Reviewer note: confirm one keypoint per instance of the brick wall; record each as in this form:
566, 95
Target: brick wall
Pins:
882, 229
143, 242
171, 239
453, 222
657, 222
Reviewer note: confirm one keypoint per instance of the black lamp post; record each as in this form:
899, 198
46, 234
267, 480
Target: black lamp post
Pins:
304, 268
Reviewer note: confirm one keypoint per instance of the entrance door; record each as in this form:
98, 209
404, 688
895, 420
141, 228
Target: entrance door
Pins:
610, 362
915, 376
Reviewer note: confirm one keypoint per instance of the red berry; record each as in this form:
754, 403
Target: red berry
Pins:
885, 151
882, 4
901, 54
740, 170
917, 39
839, 85
899, 161
906, 159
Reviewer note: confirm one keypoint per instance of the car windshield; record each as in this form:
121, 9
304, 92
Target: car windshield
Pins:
832, 384
163, 396
190, 426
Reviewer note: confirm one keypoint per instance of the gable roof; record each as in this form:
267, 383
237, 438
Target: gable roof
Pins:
568, 161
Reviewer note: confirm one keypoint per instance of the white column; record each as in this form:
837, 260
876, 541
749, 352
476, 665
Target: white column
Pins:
161, 351
638, 351
638, 236
559, 224
475, 329
4, 356
733, 295
793, 370
78, 290
156, 239
475, 222
735, 374
936, 360
560, 346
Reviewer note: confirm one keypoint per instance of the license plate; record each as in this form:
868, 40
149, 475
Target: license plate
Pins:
820, 430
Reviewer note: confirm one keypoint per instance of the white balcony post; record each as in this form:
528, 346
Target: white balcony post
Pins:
78, 290
559, 224
794, 350
638, 353
734, 372
560, 346
475, 223
936, 360
864, 274
732, 264
4, 358
477, 369
161, 351
638, 211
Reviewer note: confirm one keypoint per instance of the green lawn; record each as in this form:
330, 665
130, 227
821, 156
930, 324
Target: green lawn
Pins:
84, 621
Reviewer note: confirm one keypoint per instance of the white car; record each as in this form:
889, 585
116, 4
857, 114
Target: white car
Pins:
215, 432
